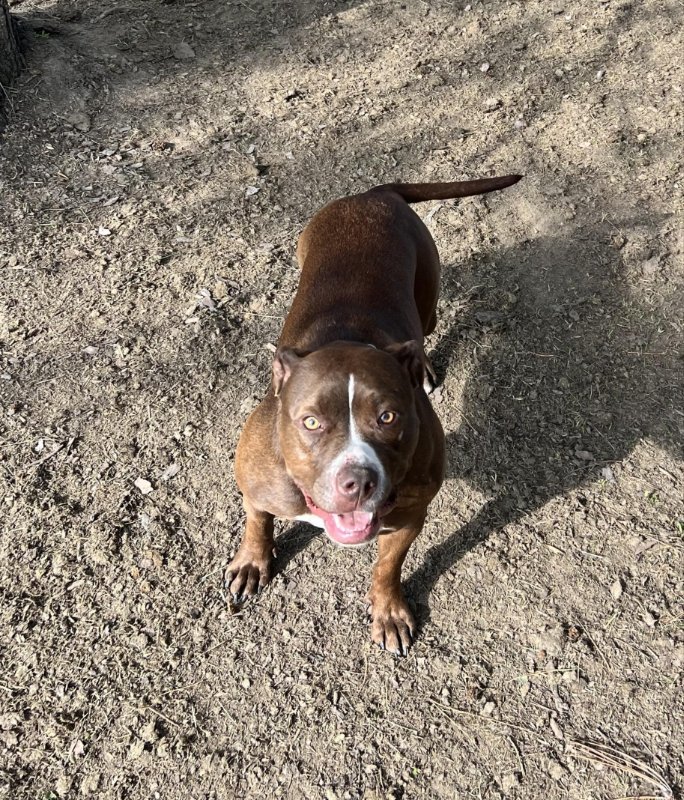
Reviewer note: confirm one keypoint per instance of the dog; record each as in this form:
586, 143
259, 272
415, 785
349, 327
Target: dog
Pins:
346, 437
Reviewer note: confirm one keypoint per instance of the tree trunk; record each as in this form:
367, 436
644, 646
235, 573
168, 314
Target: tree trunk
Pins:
10, 55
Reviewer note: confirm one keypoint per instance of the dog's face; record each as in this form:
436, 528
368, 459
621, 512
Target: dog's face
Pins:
347, 421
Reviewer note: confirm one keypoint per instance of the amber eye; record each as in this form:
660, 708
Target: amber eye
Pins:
311, 423
387, 417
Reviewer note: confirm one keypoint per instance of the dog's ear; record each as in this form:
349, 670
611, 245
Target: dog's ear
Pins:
286, 359
410, 355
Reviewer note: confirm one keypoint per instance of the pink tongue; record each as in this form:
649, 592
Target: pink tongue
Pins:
353, 521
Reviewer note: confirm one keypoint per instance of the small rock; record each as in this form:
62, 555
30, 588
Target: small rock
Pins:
584, 455
79, 120
488, 317
9, 738
148, 732
170, 471
435, 81
90, 784
488, 708
484, 67
549, 640
77, 750
556, 770
143, 486
608, 475
250, 191
136, 749
492, 103
651, 266
509, 781
616, 589
556, 729
245, 683
182, 51
9, 720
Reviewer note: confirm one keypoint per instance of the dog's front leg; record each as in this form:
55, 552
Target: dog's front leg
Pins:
250, 569
392, 623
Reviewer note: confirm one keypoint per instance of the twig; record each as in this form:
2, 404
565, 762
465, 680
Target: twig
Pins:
608, 756
450, 713
163, 716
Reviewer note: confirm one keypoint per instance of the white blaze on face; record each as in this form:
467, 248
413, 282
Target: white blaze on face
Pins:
356, 450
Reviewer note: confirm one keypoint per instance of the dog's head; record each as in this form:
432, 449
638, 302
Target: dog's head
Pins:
348, 429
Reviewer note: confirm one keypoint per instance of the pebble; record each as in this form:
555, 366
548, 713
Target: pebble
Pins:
182, 51
555, 770
651, 265
488, 708
143, 486
79, 120
616, 589
509, 781
608, 475
549, 640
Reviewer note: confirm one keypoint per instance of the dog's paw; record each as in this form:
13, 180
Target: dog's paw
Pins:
392, 624
246, 575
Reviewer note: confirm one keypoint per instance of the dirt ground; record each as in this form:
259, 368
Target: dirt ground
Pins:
159, 161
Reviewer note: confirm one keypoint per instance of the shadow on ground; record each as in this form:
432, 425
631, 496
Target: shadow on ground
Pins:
574, 372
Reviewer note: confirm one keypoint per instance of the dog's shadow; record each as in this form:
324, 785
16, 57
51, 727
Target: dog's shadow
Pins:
557, 387
291, 541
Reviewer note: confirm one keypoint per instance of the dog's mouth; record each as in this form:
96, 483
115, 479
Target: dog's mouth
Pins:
352, 527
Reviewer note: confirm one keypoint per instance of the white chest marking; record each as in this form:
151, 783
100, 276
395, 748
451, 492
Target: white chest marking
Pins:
312, 519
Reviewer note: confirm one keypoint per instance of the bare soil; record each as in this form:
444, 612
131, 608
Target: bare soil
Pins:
158, 164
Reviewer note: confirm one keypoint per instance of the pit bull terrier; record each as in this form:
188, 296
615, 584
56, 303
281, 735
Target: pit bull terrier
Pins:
346, 437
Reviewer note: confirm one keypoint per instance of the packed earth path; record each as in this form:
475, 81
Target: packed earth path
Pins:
158, 162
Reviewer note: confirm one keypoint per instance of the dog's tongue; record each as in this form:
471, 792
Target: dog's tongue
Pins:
354, 527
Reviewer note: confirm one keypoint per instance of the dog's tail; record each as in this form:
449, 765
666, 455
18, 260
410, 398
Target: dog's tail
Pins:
417, 192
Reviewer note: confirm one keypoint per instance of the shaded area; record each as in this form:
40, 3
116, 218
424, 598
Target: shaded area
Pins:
10, 56
574, 369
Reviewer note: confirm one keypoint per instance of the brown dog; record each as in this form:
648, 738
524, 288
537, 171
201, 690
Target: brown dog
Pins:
346, 437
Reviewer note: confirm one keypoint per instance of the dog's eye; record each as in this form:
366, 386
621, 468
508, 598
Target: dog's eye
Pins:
387, 417
311, 423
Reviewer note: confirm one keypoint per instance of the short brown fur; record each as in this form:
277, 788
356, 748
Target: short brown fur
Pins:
370, 276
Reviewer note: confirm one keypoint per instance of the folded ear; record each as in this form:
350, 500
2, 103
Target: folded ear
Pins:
410, 355
286, 359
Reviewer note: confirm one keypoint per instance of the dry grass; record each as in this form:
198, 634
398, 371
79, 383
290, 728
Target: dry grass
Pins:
611, 757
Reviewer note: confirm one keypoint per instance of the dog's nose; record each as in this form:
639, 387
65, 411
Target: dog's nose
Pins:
357, 483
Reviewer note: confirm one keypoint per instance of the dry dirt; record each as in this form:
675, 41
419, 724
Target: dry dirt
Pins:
144, 281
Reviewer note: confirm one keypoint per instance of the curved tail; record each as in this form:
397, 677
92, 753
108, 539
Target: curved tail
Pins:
417, 192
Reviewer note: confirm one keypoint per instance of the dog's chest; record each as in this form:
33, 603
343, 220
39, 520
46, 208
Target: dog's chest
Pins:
312, 519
